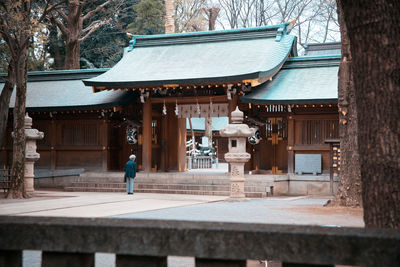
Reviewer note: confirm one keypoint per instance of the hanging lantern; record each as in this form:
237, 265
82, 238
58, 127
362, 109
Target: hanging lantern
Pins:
255, 138
131, 135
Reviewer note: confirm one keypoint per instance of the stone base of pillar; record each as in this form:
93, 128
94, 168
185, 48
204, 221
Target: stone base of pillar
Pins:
29, 176
237, 188
29, 185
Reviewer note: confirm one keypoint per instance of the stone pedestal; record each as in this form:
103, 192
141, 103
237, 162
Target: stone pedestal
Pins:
237, 132
31, 155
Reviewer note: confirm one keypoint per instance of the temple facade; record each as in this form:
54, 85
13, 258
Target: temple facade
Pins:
94, 119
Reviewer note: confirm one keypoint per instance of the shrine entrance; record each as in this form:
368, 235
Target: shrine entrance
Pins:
163, 135
276, 133
270, 154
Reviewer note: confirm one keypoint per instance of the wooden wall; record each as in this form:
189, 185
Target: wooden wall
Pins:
70, 141
310, 133
307, 126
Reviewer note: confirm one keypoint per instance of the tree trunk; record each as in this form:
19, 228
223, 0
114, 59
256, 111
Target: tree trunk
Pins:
72, 54
349, 187
374, 42
169, 16
212, 14
55, 45
5, 101
17, 189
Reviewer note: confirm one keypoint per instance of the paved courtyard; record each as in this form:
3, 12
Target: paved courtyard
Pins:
273, 210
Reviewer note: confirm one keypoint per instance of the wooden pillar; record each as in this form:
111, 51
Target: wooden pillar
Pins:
104, 142
182, 145
173, 138
146, 143
290, 144
128, 260
53, 141
164, 144
61, 259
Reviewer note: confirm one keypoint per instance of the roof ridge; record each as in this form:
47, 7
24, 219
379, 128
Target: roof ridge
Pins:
314, 61
58, 75
208, 36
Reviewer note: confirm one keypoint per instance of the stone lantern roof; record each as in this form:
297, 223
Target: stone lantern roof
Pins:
237, 128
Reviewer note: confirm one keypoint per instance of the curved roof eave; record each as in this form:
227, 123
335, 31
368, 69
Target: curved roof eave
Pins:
231, 60
225, 79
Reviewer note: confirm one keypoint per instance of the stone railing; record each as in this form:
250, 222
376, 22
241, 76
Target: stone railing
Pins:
199, 162
149, 242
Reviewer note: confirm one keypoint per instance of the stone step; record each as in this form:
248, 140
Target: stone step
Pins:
183, 180
250, 189
175, 178
98, 185
172, 183
163, 191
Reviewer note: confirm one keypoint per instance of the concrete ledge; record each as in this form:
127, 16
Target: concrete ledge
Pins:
208, 240
45, 173
315, 178
56, 178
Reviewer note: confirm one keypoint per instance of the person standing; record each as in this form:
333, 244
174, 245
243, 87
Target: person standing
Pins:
130, 174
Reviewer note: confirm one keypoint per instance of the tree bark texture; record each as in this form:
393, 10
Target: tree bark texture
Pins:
56, 46
5, 101
212, 14
17, 189
373, 30
169, 16
69, 18
16, 28
72, 43
72, 54
349, 186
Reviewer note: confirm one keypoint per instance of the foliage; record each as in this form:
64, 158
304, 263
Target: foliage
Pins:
149, 18
76, 24
104, 48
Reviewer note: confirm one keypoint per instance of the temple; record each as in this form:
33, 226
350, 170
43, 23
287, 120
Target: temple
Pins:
94, 119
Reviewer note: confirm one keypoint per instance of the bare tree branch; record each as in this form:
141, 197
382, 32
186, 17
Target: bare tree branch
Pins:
93, 28
47, 9
94, 11
60, 25
62, 14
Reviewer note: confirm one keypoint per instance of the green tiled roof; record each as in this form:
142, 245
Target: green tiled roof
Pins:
201, 57
322, 49
52, 90
302, 80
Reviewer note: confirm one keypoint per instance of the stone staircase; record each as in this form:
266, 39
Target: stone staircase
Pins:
256, 186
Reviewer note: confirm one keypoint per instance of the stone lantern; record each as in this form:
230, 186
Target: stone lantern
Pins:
31, 135
237, 132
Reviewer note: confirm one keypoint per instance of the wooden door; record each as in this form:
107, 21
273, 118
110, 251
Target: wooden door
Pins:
276, 135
